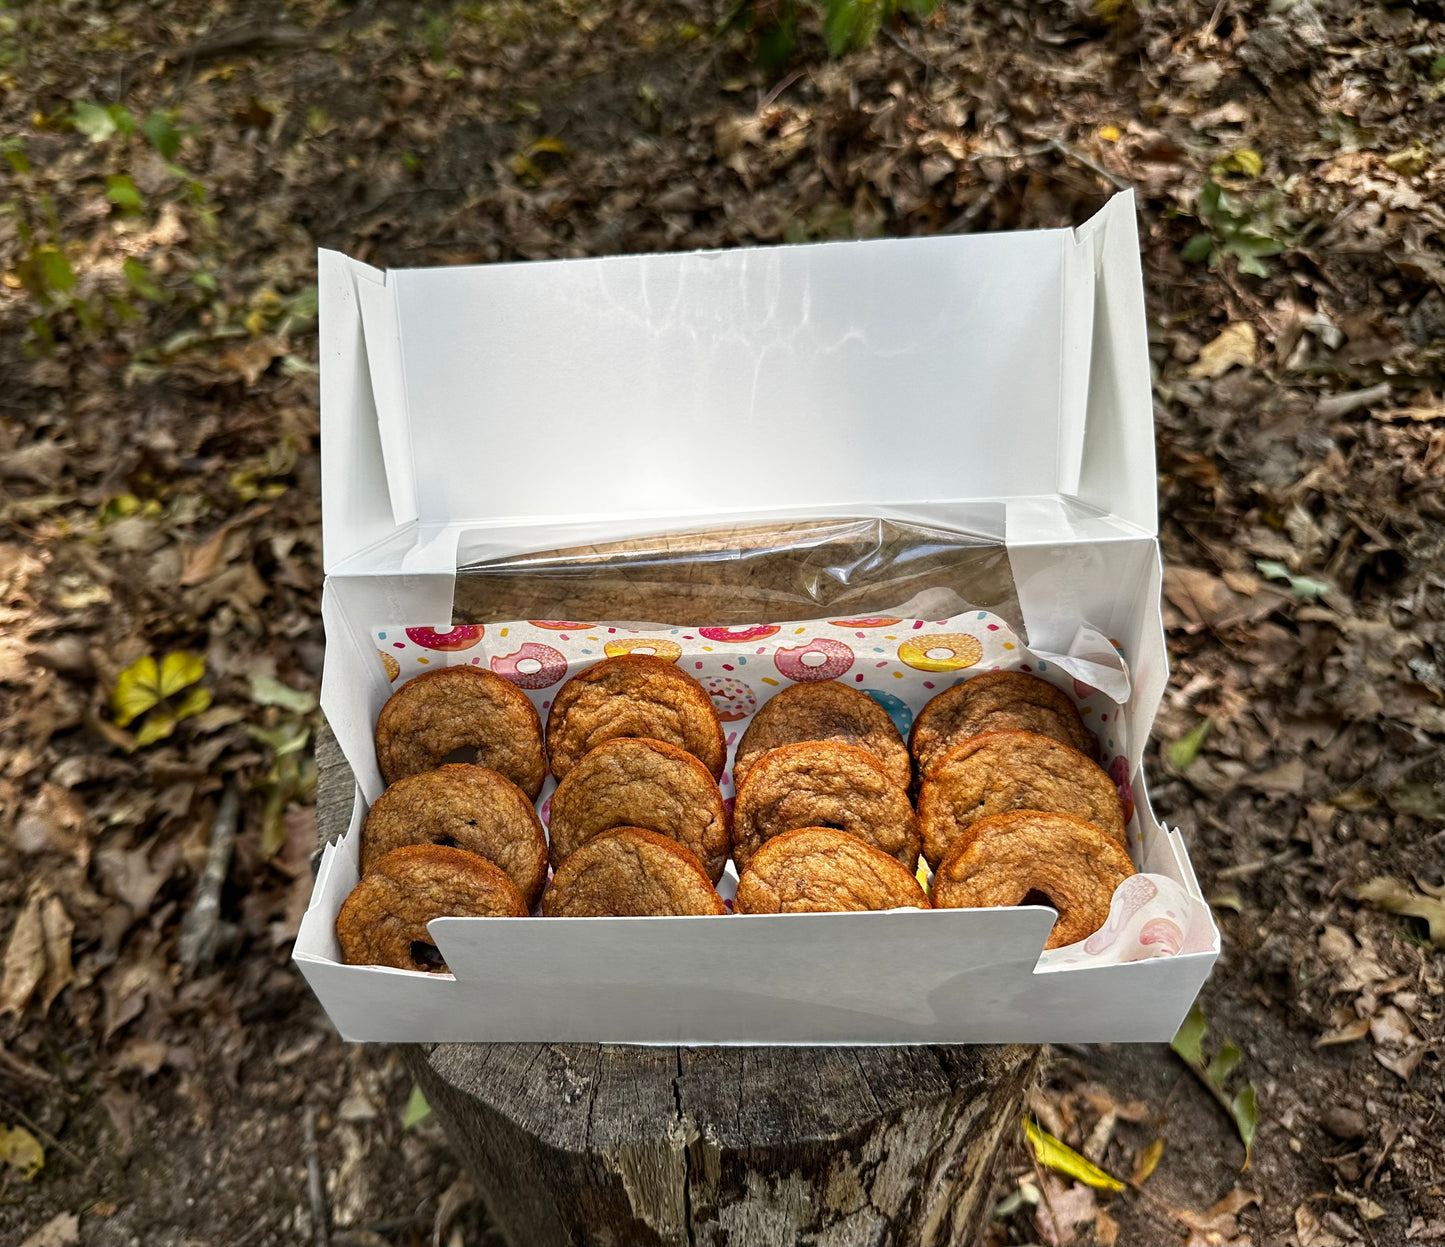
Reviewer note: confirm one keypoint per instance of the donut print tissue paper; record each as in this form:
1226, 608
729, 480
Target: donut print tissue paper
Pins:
899, 662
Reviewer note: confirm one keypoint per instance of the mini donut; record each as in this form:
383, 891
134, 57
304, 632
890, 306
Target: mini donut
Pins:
835, 659
1002, 771
641, 783
652, 647
871, 622
995, 701
633, 696
731, 698
819, 870
534, 665
463, 807
560, 625
393, 668
824, 783
825, 711
384, 920
463, 636
941, 651
629, 872
759, 632
1007, 856
432, 715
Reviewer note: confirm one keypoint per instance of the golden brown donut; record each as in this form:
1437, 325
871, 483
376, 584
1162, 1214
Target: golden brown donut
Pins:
996, 772
433, 715
1005, 857
824, 710
383, 921
630, 872
824, 783
995, 701
641, 783
633, 695
819, 870
464, 807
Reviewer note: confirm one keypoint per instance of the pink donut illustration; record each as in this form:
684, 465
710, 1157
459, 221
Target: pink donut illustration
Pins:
833, 659
532, 666
1129, 898
870, 622
1164, 933
1119, 773
731, 698
645, 647
393, 668
463, 636
558, 625
756, 633
1081, 690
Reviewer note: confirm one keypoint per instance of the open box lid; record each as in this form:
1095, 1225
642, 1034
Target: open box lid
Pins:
834, 378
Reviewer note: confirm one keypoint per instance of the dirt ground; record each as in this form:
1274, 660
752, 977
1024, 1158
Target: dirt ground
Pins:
170, 171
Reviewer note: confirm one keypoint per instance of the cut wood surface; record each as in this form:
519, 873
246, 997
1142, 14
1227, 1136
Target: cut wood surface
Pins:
593, 1143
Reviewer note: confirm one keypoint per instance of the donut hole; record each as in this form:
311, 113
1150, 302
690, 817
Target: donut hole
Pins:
529, 666
465, 754
427, 955
813, 658
1035, 897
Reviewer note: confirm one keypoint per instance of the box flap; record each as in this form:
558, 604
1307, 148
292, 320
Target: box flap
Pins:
836, 377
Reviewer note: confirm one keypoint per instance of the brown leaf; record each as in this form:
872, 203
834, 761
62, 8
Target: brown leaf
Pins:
203, 560
1391, 1026
1062, 1211
129, 878
1402, 1064
56, 928
53, 820
24, 964
145, 1055
1348, 1033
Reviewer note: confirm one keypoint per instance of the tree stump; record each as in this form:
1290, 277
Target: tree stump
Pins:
592, 1143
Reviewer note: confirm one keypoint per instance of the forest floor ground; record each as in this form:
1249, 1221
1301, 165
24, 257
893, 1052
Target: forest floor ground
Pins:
171, 170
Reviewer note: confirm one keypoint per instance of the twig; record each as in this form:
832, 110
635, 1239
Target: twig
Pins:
1079, 158
315, 1191
780, 88
200, 929
1258, 864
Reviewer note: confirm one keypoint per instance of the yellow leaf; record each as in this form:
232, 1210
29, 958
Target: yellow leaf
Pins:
1060, 1157
194, 702
1244, 161
1110, 134
549, 144
179, 669
156, 727
1148, 1162
21, 1150
1235, 345
137, 689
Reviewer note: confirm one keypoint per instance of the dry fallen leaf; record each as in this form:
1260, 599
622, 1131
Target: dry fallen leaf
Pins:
1235, 346
62, 1230
24, 964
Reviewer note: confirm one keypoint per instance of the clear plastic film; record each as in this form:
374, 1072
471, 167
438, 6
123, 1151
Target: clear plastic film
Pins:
746, 575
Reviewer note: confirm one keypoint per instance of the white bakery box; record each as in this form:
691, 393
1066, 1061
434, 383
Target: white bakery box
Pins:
991, 384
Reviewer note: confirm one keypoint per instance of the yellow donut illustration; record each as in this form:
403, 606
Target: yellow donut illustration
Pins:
393, 668
644, 646
941, 651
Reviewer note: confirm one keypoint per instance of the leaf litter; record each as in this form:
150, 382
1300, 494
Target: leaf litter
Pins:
168, 183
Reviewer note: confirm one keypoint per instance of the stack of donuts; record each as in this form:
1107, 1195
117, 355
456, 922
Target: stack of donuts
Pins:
1010, 807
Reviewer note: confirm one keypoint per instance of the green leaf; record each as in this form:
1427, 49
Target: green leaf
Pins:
1059, 1156
138, 278
15, 157
1420, 799
417, 1109
1198, 249
1223, 1063
1302, 586
1187, 1043
121, 191
93, 121
1184, 750
286, 739
162, 134
136, 690
1244, 1108
55, 270
268, 691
